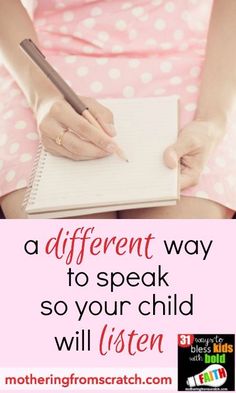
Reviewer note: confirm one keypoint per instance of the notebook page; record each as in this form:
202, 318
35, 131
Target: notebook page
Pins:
145, 128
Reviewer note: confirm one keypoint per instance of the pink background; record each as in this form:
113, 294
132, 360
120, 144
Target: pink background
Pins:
27, 337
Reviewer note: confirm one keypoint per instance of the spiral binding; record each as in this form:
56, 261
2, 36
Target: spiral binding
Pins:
36, 174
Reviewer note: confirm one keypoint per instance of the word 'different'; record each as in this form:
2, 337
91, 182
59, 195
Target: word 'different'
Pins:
72, 246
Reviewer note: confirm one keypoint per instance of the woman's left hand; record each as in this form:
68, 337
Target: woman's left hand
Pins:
192, 149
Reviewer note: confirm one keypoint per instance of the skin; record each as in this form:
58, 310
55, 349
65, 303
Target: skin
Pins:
195, 142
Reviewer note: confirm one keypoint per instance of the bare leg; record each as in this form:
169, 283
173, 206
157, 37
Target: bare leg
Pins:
187, 207
12, 207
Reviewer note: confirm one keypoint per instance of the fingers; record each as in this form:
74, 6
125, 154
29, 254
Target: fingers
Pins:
72, 146
85, 150
102, 114
185, 144
188, 178
81, 127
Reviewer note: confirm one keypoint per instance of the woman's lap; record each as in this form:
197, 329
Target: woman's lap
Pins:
187, 207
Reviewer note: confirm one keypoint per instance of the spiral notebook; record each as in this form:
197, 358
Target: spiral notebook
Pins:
61, 187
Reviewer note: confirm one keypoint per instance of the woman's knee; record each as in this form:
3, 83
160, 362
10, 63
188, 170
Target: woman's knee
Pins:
186, 208
12, 204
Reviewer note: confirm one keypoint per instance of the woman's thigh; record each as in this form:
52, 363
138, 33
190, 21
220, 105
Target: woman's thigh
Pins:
12, 207
187, 207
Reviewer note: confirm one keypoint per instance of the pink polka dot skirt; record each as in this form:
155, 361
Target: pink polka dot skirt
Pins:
117, 49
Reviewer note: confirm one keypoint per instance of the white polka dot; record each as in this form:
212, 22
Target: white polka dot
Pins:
89, 22
82, 71
183, 46
202, 194
219, 188
96, 86
166, 45
14, 147
200, 52
33, 136
144, 18
63, 29
157, 2
96, 11
121, 25
185, 16
159, 91
10, 175
114, 73
195, 72
70, 59
98, 43
128, 91
40, 22
103, 36
146, 77
68, 16
24, 103
160, 24
25, 157
165, 66
8, 115
87, 49
138, 11
1, 164
151, 42
117, 49
192, 89
21, 183
134, 63
176, 80
50, 28
133, 34
191, 107
3, 139
178, 35
231, 180
169, 7
66, 40
15, 93
20, 124
206, 171
48, 43
126, 6
220, 161
60, 5
68, 82
102, 60
78, 34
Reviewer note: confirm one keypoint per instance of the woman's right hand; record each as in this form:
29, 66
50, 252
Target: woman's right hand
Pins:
79, 139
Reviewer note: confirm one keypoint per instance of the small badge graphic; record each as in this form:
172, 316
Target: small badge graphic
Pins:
206, 362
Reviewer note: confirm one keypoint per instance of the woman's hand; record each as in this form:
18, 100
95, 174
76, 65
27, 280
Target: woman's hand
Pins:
192, 149
79, 139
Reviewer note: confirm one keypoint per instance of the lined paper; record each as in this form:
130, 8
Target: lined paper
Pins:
145, 128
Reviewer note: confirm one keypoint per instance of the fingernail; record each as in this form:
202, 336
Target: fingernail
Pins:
111, 148
111, 128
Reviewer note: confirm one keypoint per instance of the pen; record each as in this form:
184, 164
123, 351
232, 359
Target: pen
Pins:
70, 96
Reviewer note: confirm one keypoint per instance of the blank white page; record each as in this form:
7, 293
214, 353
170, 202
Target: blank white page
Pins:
145, 127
